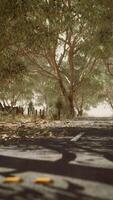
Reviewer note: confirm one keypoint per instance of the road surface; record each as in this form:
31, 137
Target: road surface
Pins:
81, 168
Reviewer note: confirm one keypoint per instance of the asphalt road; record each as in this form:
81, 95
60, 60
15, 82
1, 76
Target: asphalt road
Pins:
81, 168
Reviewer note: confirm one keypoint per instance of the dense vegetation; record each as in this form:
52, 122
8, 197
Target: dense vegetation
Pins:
58, 52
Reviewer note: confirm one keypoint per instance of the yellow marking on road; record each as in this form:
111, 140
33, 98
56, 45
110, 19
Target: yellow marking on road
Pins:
43, 180
13, 179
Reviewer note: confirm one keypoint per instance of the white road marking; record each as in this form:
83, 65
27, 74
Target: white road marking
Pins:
77, 137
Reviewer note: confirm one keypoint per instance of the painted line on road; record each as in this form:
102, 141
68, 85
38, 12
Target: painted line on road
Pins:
77, 137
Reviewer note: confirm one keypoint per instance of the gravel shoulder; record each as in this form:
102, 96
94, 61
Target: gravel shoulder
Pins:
18, 131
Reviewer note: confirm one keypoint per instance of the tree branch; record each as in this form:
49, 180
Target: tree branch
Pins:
40, 69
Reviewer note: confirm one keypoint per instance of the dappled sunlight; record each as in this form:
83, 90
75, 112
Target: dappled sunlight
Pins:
56, 100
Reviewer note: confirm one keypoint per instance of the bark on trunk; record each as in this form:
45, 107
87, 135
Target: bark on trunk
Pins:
59, 114
71, 113
69, 101
67, 96
80, 113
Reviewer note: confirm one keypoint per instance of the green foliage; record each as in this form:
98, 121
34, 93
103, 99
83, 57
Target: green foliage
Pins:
57, 39
16, 84
98, 16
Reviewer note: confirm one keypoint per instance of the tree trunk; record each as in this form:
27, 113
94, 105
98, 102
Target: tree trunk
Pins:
80, 113
67, 96
71, 112
59, 113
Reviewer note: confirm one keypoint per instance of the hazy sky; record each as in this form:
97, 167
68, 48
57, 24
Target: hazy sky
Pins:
102, 110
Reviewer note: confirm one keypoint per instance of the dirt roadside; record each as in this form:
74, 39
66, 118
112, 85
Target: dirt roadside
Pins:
18, 131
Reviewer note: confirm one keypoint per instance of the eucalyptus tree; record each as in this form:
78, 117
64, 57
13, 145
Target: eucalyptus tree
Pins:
50, 33
99, 16
49, 96
107, 93
89, 94
57, 35
15, 82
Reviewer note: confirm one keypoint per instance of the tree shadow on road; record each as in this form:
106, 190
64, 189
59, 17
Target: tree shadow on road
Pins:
61, 167
73, 192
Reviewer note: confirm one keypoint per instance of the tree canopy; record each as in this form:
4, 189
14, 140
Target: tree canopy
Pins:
60, 41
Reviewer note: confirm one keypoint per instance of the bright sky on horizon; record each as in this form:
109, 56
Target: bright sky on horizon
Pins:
102, 110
